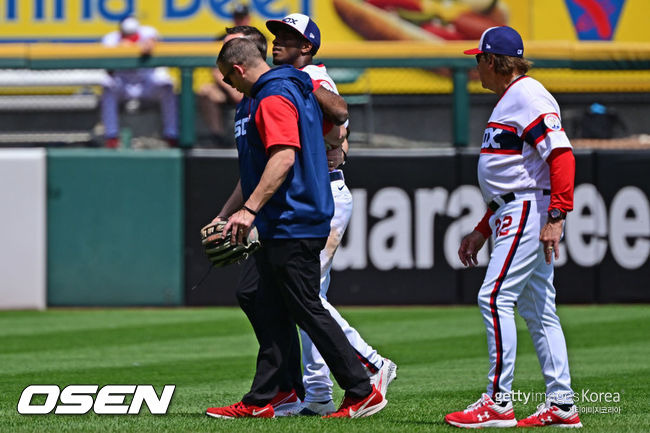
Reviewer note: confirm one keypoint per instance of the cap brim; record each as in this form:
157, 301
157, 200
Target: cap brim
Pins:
473, 51
275, 26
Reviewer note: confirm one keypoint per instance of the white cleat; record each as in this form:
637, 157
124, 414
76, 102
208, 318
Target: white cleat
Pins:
386, 374
312, 408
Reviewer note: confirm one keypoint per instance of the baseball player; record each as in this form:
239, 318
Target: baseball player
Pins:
135, 84
284, 185
526, 173
291, 390
297, 39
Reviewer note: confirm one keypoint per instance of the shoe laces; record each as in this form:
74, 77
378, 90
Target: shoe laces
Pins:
542, 408
478, 403
238, 406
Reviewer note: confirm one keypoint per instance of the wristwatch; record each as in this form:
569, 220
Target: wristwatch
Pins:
555, 215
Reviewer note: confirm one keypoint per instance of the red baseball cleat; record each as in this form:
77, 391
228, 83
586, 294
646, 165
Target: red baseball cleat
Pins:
241, 410
286, 403
548, 414
483, 413
360, 407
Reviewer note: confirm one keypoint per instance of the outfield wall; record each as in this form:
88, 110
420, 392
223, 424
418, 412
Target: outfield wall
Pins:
115, 222
122, 228
411, 208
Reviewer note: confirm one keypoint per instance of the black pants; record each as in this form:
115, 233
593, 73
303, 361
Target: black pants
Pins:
289, 284
247, 289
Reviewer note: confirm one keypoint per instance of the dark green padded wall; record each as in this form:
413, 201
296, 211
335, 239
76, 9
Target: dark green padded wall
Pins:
115, 227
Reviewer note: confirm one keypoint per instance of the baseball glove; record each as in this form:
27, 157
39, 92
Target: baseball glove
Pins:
222, 252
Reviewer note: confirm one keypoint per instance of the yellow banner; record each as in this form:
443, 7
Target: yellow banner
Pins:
339, 20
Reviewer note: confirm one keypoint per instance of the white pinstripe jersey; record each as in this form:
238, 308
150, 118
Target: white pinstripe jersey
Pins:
319, 73
522, 131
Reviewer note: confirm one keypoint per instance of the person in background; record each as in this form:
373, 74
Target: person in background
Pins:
214, 96
137, 84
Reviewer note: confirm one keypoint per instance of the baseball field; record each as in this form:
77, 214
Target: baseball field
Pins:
209, 354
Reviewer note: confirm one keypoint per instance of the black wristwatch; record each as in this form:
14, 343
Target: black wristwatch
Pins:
555, 215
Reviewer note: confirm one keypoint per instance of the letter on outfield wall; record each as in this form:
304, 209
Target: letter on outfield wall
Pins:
352, 254
465, 197
428, 203
389, 241
586, 226
629, 231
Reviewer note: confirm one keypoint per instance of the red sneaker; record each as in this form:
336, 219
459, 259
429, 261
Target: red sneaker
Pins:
483, 413
360, 407
241, 410
548, 414
286, 403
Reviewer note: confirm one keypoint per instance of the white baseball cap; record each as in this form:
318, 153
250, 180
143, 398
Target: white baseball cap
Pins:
129, 26
302, 23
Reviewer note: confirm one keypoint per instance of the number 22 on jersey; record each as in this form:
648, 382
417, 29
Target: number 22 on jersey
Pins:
502, 227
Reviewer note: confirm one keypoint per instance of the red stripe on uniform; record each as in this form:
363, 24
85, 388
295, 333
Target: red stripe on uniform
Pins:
495, 293
533, 124
543, 136
510, 85
370, 366
502, 126
501, 151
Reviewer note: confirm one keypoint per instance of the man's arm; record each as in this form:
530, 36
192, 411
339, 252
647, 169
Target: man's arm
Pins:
234, 202
562, 169
335, 136
281, 160
334, 106
473, 242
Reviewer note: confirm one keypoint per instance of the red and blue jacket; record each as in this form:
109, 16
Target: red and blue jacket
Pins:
282, 110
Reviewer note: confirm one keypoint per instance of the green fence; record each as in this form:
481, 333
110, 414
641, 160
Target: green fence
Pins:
187, 57
115, 227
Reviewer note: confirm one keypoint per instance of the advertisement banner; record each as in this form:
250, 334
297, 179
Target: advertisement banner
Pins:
339, 20
411, 210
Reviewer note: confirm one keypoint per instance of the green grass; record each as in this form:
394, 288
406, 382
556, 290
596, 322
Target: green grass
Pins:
209, 354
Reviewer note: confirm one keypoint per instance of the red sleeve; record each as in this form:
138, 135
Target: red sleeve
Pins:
484, 226
315, 83
277, 122
327, 126
562, 165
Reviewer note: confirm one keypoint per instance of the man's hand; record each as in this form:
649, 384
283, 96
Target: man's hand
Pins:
469, 247
550, 238
334, 158
240, 222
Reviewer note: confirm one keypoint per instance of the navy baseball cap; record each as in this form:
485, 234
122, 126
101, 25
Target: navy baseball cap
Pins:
302, 23
502, 40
